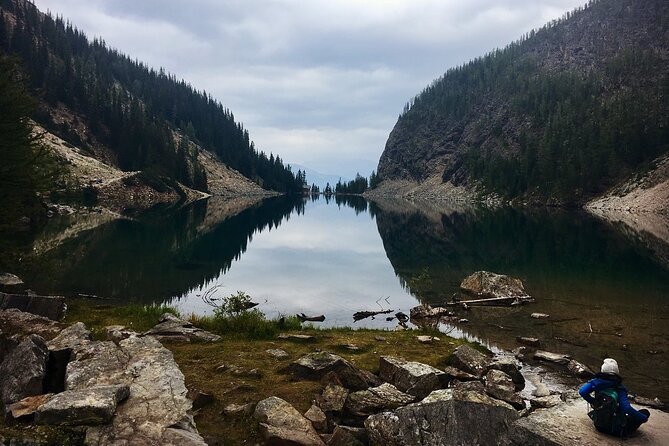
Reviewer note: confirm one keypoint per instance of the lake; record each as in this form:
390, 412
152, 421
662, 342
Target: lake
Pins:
606, 286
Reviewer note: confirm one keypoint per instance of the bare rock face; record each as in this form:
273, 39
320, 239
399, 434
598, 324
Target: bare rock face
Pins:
444, 417
281, 423
469, 360
375, 399
52, 307
23, 370
173, 328
414, 378
499, 385
94, 364
315, 366
91, 406
487, 284
27, 406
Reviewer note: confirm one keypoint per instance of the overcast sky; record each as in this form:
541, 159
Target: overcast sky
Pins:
320, 82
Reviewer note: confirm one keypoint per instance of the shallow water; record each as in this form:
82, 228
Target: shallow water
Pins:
607, 293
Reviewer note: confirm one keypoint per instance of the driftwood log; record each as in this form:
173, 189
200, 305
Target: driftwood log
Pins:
304, 318
359, 315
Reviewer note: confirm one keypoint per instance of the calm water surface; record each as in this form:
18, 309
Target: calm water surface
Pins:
606, 290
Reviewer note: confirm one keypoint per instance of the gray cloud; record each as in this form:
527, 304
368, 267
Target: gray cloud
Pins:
320, 82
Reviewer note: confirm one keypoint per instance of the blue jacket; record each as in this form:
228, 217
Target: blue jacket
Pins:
603, 382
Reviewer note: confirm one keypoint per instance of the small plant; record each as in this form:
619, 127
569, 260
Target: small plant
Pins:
235, 304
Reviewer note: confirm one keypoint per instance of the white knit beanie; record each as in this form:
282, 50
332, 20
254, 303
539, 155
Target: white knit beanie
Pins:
610, 366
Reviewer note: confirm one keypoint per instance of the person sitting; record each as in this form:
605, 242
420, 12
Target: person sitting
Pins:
611, 411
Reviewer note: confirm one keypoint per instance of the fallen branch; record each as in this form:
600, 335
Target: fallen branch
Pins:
304, 318
359, 315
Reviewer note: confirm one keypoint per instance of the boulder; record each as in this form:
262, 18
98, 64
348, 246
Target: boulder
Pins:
51, 307
499, 385
90, 406
511, 367
348, 436
490, 285
239, 409
580, 370
533, 342
157, 411
545, 402
15, 322
456, 374
315, 366
568, 425
172, 328
9, 281
281, 423
72, 336
414, 378
317, 417
23, 370
469, 360
27, 406
540, 316
375, 399
333, 398
427, 339
428, 312
444, 417
117, 333
277, 353
555, 358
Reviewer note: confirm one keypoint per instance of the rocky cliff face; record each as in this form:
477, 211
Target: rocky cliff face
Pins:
559, 116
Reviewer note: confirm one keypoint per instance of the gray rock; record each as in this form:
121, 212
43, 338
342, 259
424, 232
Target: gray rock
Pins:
15, 322
555, 358
511, 367
539, 316
469, 360
239, 409
117, 333
375, 399
174, 329
499, 385
315, 366
444, 417
580, 370
348, 436
74, 335
533, 342
317, 417
277, 353
51, 307
297, 337
333, 398
157, 412
27, 407
428, 312
10, 280
91, 406
486, 284
281, 423
545, 402
427, 339
23, 370
459, 375
414, 378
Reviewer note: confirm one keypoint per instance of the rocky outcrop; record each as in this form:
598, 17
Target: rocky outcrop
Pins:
90, 406
52, 307
23, 370
315, 366
444, 417
281, 423
414, 378
171, 328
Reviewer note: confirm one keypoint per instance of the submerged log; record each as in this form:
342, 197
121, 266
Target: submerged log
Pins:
304, 318
359, 315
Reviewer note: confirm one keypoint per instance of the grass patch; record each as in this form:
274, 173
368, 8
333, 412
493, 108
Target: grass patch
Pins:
246, 325
136, 317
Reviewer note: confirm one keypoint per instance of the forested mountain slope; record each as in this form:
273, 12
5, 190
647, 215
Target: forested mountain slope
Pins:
559, 116
124, 113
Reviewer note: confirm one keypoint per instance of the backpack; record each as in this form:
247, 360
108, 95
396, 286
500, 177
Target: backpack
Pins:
606, 413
